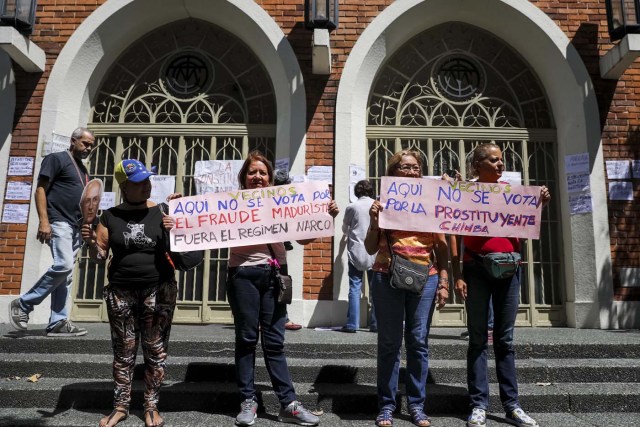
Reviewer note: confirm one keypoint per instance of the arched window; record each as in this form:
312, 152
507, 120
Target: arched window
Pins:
185, 92
446, 91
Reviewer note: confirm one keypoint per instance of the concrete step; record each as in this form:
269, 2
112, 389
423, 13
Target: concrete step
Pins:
215, 397
31, 417
338, 371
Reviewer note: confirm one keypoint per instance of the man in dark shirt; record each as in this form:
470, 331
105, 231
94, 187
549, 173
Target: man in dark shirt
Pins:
60, 184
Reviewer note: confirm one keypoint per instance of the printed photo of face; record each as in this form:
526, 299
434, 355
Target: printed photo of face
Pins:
90, 200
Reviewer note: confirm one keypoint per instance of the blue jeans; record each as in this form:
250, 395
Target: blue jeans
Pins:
394, 306
64, 244
503, 295
355, 286
256, 311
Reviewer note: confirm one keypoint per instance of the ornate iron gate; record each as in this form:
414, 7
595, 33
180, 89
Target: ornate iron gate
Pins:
188, 91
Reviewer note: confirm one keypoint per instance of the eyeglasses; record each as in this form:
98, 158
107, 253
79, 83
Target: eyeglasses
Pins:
409, 168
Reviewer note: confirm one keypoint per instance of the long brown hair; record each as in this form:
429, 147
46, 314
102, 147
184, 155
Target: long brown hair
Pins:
254, 156
395, 160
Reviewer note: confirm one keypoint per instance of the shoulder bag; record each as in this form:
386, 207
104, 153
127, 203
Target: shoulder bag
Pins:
282, 282
406, 275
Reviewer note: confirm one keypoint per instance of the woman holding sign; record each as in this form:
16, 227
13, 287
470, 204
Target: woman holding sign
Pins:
412, 304
252, 298
141, 294
479, 287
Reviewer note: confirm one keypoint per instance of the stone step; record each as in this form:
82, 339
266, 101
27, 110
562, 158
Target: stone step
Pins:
339, 371
23, 417
320, 345
210, 397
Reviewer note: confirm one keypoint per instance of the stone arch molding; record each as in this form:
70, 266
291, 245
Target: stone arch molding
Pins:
586, 254
107, 32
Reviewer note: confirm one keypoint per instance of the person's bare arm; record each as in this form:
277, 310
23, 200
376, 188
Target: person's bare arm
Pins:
441, 249
44, 228
98, 241
456, 257
373, 233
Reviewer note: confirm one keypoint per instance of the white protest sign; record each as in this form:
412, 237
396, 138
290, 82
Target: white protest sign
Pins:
213, 176
251, 217
161, 187
460, 207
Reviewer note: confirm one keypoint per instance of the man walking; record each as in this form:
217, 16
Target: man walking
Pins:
60, 184
355, 225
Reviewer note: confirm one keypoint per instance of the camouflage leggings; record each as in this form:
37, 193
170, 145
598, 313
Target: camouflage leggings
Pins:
134, 314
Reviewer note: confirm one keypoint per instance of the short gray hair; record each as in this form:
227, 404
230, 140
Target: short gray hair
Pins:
77, 134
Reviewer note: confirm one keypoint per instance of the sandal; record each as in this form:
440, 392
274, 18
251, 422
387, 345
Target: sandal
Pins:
113, 413
385, 418
418, 417
151, 418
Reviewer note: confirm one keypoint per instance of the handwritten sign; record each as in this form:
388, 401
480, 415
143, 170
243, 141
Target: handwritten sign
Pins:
460, 207
20, 166
618, 169
18, 190
578, 182
161, 187
15, 213
213, 176
576, 163
251, 217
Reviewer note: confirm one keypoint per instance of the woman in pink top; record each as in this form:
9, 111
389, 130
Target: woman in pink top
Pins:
478, 289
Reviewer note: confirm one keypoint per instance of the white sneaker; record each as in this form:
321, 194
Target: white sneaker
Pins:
478, 418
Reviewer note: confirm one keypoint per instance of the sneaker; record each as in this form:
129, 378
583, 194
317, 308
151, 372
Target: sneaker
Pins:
464, 335
247, 415
347, 330
65, 328
478, 418
17, 316
295, 413
519, 418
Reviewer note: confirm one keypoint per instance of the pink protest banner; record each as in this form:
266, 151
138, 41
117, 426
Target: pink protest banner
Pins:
250, 217
460, 207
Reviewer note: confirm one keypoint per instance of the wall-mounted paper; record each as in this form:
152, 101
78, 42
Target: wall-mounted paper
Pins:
356, 174
512, 177
15, 214
161, 187
108, 200
580, 203
18, 190
578, 182
58, 143
20, 166
576, 163
635, 166
320, 173
618, 169
282, 164
620, 190
213, 176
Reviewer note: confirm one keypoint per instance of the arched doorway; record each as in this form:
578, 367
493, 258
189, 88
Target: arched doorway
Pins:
444, 92
185, 92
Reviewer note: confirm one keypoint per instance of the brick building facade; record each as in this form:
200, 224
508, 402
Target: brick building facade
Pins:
321, 121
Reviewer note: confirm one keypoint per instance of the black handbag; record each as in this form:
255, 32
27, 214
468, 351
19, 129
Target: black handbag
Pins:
183, 261
407, 275
282, 282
